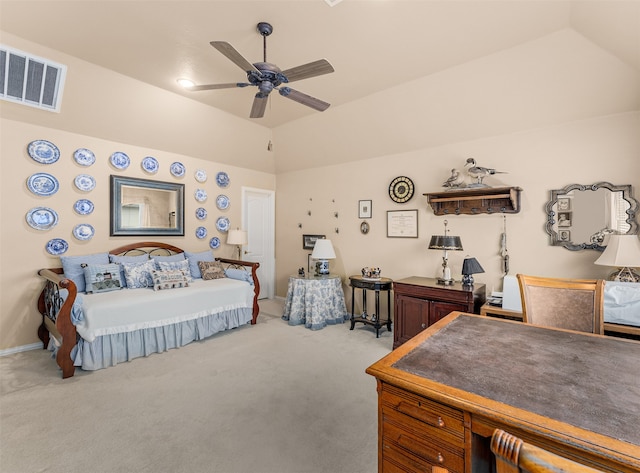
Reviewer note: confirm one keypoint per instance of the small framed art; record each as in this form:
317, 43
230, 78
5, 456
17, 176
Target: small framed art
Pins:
364, 209
402, 223
309, 241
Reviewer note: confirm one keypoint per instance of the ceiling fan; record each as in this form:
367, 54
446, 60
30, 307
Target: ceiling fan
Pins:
267, 76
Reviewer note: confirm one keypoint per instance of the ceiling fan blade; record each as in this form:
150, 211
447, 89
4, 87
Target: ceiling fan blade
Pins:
304, 99
231, 53
196, 88
312, 69
259, 106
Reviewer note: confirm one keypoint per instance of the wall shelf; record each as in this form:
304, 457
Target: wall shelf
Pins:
471, 201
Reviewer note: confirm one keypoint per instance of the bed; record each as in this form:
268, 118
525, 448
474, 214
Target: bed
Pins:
98, 330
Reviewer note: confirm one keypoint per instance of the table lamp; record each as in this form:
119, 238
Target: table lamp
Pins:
622, 252
470, 266
445, 242
323, 252
237, 237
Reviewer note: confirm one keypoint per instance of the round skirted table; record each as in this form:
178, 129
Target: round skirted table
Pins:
315, 301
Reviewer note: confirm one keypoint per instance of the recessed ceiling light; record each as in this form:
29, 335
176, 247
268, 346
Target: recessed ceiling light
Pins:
186, 83
332, 3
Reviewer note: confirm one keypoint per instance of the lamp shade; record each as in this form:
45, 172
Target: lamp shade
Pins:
622, 250
323, 249
471, 266
445, 242
237, 237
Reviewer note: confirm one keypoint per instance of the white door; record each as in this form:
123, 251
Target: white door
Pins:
258, 207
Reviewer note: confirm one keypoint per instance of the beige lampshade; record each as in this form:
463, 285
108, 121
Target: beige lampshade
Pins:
237, 237
323, 249
621, 251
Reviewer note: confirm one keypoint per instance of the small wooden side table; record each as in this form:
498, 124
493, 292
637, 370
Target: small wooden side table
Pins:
377, 285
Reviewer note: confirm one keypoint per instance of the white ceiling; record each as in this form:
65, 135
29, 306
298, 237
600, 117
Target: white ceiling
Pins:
373, 44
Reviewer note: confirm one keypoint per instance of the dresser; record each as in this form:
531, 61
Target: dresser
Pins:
442, 394
420, 302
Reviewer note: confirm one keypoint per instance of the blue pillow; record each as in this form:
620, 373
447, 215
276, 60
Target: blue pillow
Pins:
102, 277
139, 275
127, 259
170, 258
73, 270
193, 261
241, 274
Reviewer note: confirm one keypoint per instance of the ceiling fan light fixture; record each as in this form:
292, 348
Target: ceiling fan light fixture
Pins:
186, 83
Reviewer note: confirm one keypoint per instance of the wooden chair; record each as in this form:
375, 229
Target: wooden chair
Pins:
574, 304
515, 456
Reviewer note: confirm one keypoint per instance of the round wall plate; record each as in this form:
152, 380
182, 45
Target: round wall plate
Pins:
401, 189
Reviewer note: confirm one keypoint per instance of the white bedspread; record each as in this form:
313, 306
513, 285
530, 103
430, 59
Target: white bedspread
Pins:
127, 310
622, 303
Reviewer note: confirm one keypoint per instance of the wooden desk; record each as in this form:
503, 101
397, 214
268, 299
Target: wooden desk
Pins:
443, 393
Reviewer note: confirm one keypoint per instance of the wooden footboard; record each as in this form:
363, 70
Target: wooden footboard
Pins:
239, 264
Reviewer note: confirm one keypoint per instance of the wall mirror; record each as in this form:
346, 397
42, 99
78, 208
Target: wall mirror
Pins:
580, 217
145, 207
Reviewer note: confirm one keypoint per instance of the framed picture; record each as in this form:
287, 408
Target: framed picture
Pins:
565, 235
402, 223
311, 265
564, 219
564, 203
364, 209
309, 241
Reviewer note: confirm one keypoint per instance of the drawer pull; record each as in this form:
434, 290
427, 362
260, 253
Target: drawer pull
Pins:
424, 325
421, 414
421, 449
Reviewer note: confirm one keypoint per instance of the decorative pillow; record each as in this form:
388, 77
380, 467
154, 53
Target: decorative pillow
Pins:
194, 258
170, 279
127, 259
138, 275
211, 270
176, 257
171, 265
73, 270
241, 274
102, 277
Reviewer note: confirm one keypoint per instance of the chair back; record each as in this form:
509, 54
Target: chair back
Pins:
573, 304
515, 456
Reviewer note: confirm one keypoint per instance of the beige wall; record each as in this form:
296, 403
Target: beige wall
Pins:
22, 248
584, 152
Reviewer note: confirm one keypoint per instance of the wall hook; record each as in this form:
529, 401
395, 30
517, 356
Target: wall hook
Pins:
335, 214
299, 225
337, 230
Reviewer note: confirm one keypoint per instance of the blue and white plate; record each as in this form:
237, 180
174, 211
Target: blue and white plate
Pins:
222, 224
222, 179
42, 218
85, 182
201, 232
150, 165
57, 246
43, 151
201, 175
120, 160
201, 213
83, 207
84, 157
83, 231
222, 202
177, 169
42, 183
214, 243
200, 195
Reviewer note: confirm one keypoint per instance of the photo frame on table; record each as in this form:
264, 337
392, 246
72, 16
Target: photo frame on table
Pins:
311, 265
309, 241
402, 223
364, 208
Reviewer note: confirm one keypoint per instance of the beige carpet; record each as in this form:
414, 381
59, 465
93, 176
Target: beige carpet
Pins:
264, 398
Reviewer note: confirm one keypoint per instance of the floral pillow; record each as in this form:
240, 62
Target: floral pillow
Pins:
211, 270
102, 277
176, 265
138, 275
170, 279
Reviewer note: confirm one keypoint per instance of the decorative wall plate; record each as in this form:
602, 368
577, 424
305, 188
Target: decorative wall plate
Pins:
177, 169
42, 218
85, 182
200, 195
401, 189
43, 151
222, 179
83, 231
120, 160
201, 175
214, 243
222, 224
150, 165
57, 246
83, 206
84, 157
201, 232
201, 213
222, 202
42, 183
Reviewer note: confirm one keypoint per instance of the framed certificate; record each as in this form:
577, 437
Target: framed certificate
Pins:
402, 223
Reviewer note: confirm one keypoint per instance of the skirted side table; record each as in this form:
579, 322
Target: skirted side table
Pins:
315, 301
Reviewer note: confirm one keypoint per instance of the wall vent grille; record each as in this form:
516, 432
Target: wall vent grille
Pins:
30, 80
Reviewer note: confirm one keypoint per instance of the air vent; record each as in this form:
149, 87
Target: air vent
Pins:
30, 80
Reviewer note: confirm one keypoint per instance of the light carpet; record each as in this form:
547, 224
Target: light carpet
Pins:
264, 398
